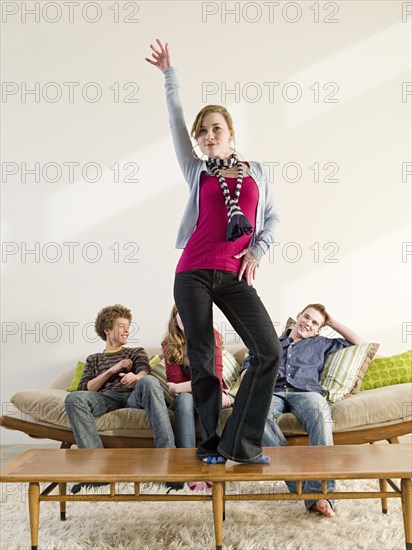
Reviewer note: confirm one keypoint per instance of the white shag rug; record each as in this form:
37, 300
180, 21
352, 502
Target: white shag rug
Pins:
249, 525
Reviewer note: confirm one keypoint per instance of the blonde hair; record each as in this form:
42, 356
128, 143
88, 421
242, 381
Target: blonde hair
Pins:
176, 340
176, 351
207, 110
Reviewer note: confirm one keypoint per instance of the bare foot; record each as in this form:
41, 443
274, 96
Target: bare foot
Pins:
323, 507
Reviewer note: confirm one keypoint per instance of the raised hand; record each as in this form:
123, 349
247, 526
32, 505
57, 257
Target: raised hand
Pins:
161, 56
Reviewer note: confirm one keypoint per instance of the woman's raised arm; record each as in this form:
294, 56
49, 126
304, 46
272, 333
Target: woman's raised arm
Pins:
181, 139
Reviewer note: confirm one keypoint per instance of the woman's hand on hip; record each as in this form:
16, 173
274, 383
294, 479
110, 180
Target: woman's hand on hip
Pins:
248, 267
161, 55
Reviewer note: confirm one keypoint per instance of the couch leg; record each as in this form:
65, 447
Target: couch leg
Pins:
393, 440
65, 445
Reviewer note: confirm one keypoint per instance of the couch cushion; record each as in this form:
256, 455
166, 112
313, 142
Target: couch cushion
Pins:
48, 406
386, 371
63, 381
372, 408
356, 412
379, 406
238, 354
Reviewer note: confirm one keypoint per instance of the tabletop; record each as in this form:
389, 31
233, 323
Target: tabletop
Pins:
151, 465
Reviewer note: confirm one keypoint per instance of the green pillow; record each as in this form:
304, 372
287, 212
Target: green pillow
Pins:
387, 371
78, 373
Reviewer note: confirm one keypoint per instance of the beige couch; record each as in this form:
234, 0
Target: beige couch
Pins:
368, 416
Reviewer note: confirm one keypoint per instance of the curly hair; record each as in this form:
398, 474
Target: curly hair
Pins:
107, 316
175, 337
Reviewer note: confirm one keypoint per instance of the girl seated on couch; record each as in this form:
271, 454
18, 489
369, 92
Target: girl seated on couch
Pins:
180, 387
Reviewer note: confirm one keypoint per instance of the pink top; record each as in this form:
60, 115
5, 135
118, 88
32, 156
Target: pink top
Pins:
207, 247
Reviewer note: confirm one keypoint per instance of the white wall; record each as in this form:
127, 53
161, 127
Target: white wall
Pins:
361, 221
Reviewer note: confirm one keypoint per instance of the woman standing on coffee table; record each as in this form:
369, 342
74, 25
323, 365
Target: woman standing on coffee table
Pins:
228, 225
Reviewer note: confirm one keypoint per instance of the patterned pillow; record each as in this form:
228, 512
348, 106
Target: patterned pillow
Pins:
387, 371
233, 390
231, 369
78, 373
154, 360
158, 370
230, 372
341, 369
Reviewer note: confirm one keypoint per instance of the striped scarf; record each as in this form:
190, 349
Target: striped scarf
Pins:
238, 224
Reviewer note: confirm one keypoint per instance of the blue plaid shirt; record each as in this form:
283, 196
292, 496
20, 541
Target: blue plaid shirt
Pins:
303, 360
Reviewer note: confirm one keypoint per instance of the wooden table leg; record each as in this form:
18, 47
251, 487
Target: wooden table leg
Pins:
383, 486
34, 512
217, 499
62, 492
406, 487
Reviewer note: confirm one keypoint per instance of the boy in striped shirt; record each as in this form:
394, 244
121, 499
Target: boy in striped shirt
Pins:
116, 378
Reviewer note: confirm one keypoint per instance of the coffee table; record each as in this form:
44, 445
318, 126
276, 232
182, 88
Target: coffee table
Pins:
61, 466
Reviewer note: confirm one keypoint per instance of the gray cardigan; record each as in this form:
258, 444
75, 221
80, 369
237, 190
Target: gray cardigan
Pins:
266, 215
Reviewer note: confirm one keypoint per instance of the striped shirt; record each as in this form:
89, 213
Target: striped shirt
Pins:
99, 362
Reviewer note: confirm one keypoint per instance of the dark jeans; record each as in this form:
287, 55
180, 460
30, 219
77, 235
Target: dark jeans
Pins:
195, 292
